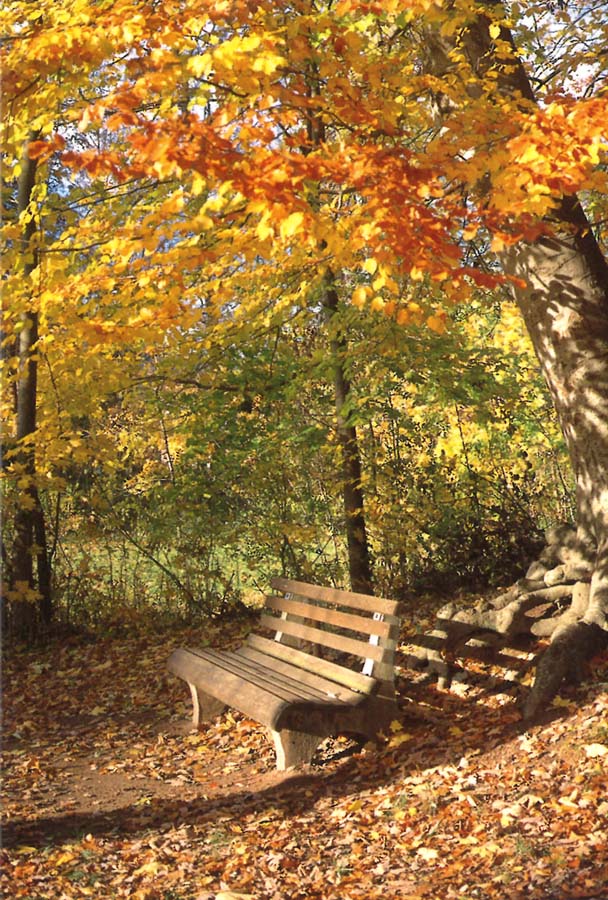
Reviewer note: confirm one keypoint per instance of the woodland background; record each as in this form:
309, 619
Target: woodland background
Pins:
172, 439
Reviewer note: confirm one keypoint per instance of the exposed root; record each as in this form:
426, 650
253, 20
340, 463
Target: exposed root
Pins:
566, 659
553, 600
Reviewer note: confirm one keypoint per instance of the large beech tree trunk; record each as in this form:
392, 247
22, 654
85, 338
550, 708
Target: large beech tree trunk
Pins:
565, 307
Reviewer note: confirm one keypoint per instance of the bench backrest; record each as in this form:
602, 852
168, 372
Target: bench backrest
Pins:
353, 636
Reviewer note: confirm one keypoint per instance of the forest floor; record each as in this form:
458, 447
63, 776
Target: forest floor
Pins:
109, 794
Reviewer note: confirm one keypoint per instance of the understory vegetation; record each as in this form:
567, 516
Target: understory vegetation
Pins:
175, 502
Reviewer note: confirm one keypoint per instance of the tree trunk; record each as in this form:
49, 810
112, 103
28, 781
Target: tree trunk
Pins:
359, 560
359, 563
30, 594
565, 309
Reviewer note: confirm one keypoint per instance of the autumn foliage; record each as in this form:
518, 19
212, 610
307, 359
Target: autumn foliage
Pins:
188, 177
200, 169
185, 184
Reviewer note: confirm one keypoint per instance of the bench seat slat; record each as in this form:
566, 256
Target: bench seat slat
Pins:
324, 638
280, 685
350, 599
262, 705
263, 669
324, 685
363, 684
329, 616
260, 699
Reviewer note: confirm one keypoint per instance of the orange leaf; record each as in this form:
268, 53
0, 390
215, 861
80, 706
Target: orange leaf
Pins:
42, 150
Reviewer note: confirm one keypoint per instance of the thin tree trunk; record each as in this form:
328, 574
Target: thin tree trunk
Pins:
359, 562
31, 594
359, 558
43, 567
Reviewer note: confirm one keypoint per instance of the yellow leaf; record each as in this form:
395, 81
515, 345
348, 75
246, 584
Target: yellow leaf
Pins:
559, 702
399, 739
291, 224
529, 155
370, 265
149, 868
437, 323
264, 229
494, 31
497, 244
199, 184
200, 65
267, 63
359, 296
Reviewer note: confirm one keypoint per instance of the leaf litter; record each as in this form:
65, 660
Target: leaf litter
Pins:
107, 792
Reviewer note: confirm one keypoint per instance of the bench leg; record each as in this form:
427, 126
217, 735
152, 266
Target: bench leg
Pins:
294, 748
204, 706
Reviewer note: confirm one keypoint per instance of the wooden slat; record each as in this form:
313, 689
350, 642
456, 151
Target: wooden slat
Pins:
264, 705
225, 663
263, 677
324, 638
323, 667
330, 616
267, 667
352, 599
266, 675
328, 688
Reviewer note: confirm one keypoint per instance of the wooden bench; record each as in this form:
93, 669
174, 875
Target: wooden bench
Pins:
305, 681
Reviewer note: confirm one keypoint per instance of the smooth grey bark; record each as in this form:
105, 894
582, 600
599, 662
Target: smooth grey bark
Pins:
565, 308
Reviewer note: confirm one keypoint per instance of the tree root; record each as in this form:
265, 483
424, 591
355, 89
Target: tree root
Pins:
550, 601
566, 659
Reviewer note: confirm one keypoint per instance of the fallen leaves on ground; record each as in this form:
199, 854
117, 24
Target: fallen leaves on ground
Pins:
107, 793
